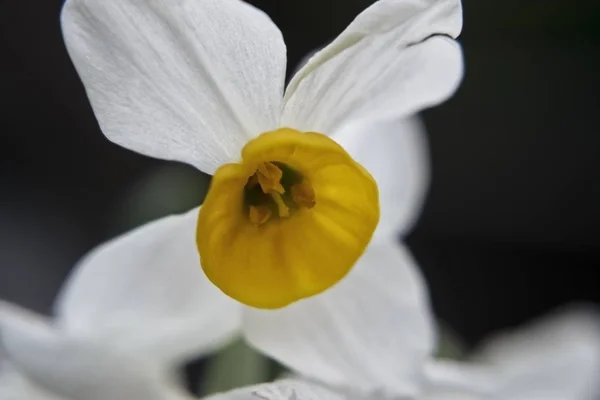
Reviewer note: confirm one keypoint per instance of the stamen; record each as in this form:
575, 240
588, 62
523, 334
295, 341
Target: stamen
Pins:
275, 191
259, 214
303, 194
269, 177
282, 209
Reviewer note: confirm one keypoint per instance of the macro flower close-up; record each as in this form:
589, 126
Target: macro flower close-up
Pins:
299, 200
288, 211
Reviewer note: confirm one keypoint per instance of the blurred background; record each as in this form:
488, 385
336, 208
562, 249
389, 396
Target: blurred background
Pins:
511, 225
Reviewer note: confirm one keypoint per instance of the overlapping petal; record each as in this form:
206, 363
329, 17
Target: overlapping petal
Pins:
396, 155
15, 386
392, 61
555, 358
185, 80
372, 331
145, 292
452, 380
413, 22
79, 369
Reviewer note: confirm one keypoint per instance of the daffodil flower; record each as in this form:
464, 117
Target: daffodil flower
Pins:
289, 211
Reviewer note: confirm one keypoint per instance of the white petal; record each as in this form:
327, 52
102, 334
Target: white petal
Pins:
386, 64
15, 386
79, 369
146, 290
414, 20
286, 389
451, 380
185, 80
372, 331
396, 154
557, 358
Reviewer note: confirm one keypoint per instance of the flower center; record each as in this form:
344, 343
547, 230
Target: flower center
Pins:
275, 191
287, 221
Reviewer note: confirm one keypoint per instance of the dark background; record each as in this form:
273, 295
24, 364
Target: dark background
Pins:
511, 225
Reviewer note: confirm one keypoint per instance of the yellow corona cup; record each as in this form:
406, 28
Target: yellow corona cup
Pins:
288, 221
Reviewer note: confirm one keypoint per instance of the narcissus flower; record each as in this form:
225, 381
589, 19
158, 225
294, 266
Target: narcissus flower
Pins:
289, 211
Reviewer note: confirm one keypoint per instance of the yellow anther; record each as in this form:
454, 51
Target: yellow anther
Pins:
303, 194
282, 209
269, 176
259, 214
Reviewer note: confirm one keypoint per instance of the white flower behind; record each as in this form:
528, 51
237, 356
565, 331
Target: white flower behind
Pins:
556, 357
